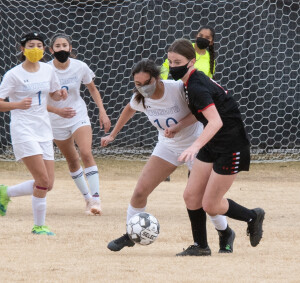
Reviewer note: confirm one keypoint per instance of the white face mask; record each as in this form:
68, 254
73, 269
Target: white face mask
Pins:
147, 90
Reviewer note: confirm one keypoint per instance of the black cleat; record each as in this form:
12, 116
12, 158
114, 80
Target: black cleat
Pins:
226, 239
254, 229
118, 244
194, 250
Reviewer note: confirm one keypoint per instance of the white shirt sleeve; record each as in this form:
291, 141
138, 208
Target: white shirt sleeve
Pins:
88, 74
54, 83
135, 105
7, 85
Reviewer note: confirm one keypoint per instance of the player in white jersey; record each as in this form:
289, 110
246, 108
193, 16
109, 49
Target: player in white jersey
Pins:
70, 122
164, 104
28, 86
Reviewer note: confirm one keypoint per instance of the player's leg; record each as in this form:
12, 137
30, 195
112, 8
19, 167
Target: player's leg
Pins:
193, 195
83, 138
226, 234
67, 148
154, 172
39, 170
219, 183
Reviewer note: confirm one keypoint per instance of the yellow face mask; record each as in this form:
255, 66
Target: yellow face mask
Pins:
34, 54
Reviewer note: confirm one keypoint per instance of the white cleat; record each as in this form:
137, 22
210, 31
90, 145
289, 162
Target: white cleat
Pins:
93, 207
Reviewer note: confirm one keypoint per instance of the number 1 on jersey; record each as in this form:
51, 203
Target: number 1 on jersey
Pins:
39, 96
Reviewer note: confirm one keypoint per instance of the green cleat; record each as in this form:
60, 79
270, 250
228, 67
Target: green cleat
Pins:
41, 230
4, 199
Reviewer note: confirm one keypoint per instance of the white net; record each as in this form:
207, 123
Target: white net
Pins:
257, 42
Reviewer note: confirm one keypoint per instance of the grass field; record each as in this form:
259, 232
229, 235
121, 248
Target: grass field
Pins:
78, 252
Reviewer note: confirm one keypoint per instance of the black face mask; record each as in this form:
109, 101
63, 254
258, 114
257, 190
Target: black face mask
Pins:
202, 43
178, 72
62, 56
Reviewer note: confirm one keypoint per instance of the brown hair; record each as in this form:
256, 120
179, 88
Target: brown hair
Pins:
145, 66
183, 47
211, 48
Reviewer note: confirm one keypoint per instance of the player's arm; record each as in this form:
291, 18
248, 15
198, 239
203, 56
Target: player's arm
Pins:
103, 119
125, 116
183, 123
213, 126
23, 104
65, 112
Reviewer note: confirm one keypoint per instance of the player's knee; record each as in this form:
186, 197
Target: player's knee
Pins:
189, 199
86, 156
42, 181
210, 207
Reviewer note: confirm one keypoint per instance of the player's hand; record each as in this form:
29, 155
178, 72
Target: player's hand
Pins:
189, 154
58, 95
64, 93
104, 122
66, 112
106, 140
171, 131
25, 103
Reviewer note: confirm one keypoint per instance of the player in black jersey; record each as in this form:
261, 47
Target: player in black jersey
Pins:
222, 150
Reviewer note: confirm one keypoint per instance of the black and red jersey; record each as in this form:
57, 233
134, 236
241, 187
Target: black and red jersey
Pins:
203, 92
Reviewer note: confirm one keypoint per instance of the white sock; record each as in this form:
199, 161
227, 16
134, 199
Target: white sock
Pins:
80, 182
92, 176
23, 189
132, 211
39, 206
219, 221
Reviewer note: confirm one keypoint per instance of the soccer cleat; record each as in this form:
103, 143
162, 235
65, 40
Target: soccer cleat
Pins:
4, 199
195, 250
254, 229
93, 207
120, 243
41, 230
226, 239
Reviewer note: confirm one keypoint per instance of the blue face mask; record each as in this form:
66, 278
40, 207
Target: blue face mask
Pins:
147, 90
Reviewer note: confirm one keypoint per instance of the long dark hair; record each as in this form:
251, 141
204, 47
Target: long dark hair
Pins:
145, 66
211, 48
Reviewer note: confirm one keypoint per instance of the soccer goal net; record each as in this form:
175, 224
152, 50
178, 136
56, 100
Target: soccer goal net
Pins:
258, 53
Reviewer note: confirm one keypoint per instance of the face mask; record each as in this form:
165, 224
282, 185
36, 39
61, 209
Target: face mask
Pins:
62, 56
202, 43
34, 54
147, 90
179, 72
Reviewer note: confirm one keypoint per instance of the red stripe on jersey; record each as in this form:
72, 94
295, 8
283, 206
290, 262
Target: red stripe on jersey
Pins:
236, 153
186, 84
199, 111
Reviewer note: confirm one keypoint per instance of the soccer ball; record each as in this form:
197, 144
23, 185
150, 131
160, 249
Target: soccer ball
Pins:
143, 228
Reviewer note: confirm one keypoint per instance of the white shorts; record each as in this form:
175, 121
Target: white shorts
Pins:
164, 152
31, 148
63, 134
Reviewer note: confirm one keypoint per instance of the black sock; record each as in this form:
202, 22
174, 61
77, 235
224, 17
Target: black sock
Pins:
198, 223
225, 232
239, 212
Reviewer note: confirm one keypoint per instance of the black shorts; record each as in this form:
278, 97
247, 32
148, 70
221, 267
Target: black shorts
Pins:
228, 163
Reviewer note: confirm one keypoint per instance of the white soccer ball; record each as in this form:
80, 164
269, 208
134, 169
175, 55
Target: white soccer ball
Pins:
143, 228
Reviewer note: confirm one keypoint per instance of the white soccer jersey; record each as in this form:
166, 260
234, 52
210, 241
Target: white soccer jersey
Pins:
71, 78
167, 111
33, 123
